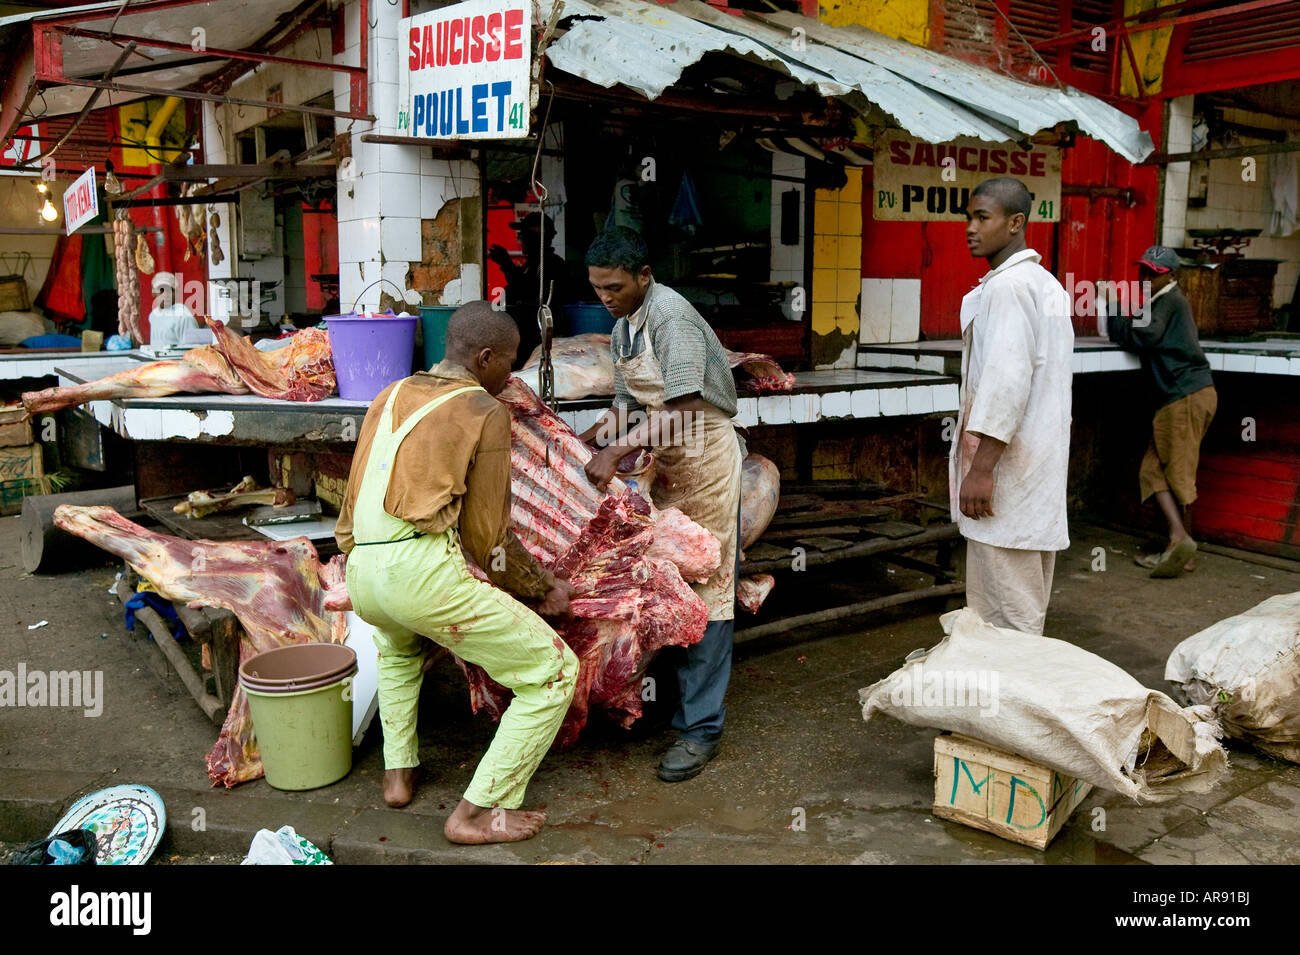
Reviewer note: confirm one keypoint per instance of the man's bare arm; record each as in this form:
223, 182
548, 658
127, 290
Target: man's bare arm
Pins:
977, 486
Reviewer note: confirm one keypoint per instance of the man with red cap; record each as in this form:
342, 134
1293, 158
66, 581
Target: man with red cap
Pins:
1163, 334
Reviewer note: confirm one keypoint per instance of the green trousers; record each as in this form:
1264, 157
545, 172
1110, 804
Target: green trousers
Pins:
411, 589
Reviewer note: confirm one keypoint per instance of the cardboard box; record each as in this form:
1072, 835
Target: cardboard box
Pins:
15, 428
1002, 793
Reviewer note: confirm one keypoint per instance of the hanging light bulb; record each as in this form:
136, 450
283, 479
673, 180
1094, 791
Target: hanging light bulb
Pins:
111, 184
48, 212
41, 187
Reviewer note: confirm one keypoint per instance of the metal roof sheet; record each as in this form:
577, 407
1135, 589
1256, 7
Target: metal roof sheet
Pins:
646, 46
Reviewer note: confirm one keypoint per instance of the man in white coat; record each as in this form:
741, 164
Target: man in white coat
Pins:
1008, 467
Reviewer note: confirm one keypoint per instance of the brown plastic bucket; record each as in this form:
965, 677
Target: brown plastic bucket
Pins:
300, 666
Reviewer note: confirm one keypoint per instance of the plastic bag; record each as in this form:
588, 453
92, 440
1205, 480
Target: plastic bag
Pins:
73, 847
283, 847
1055, 704
1247, 669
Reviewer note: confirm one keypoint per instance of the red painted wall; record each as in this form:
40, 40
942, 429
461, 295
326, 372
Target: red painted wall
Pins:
1096, 237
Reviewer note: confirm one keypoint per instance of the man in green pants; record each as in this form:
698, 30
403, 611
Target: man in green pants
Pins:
431, 473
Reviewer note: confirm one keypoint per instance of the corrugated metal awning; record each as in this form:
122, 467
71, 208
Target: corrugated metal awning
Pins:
646, 47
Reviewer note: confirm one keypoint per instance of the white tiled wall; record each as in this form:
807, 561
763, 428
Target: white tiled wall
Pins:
891, 310
788, 260
1179, 140
1232, 202
393, 187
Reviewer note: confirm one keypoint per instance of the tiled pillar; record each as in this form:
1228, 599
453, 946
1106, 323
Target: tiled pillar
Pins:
788, 260
837, 273
390, 189
1173, 230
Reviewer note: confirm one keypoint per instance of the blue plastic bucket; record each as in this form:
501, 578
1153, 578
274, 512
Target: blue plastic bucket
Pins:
370, 353
586, 318
433, 322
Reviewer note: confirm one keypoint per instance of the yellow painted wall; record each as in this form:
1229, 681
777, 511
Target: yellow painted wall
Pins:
134, 120
837, 267
1149, 49
902, 19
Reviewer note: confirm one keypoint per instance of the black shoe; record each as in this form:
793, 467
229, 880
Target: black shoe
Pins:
686, 759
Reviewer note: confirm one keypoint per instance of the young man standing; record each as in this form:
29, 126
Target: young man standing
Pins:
669, 364
1012, 447
1164, 335
431, 474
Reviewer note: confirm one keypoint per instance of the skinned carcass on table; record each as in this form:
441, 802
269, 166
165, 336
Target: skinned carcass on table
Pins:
301, 371
584, 368
277, 589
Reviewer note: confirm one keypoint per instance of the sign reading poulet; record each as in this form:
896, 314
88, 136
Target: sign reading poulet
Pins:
916, 181
467, 72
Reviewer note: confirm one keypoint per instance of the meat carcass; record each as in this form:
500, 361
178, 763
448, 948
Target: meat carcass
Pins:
584, 368
760, 490
277, 590
300, 371
625, 559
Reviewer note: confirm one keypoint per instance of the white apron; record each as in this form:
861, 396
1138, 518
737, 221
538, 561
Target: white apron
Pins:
700, 476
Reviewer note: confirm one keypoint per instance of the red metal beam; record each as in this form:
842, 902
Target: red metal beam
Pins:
212, 51
1122, 24
207, 97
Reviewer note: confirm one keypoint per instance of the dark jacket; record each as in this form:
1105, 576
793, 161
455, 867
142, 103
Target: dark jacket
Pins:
1168, 346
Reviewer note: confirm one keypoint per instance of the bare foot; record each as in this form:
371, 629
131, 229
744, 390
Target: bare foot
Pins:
399, 786
474, 825
1190, 565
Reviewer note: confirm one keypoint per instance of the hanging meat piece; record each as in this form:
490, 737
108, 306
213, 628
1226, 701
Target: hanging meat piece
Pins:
143, 259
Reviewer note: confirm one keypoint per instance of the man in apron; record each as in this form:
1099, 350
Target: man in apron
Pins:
669, 365
431, 474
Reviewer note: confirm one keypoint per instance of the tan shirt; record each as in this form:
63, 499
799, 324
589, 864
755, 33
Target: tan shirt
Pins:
453, 470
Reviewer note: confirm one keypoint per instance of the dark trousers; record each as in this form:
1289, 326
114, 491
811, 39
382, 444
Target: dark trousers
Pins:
702, 678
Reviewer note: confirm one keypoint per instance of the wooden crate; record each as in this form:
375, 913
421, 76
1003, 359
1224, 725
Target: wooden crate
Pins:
1000, 792
15, 428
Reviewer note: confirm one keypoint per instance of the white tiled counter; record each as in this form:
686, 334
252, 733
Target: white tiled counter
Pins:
1274, 356
819, 396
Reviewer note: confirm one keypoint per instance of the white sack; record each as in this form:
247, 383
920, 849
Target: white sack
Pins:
1247, 668
1054, 704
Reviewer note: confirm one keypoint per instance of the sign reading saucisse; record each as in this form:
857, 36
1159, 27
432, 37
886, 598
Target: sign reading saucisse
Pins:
916, 181
466, 71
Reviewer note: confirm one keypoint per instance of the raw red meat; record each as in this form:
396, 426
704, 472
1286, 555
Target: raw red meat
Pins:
300, 371
276, 589
760, 490
202, 371
751, 591
625, 559
584, 368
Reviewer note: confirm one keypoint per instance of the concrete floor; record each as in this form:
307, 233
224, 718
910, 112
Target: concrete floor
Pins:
795, 740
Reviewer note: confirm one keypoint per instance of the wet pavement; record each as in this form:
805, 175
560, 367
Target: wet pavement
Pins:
800, 777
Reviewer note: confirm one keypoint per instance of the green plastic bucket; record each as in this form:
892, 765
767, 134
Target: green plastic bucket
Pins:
433, 325
301, 703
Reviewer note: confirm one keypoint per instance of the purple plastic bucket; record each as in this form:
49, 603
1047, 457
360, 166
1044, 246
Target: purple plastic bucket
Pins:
370, 353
